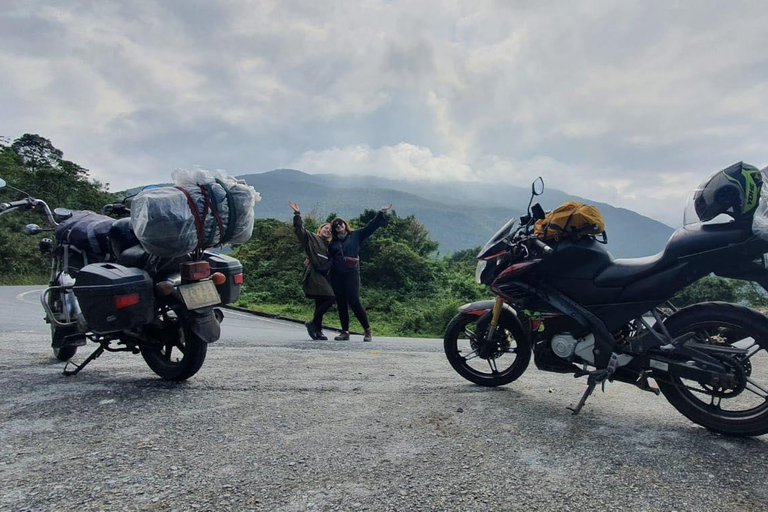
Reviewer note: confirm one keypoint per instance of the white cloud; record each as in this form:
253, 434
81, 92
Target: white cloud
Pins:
403, 161
607, 100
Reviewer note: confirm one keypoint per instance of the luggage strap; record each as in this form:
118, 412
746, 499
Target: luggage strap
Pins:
198, 220
564, 229
232, 219
210, 200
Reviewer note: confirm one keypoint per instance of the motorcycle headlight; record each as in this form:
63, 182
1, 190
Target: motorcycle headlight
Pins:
479, 270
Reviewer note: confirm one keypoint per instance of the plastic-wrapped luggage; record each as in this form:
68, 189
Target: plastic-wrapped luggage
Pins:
203, 209
760, 219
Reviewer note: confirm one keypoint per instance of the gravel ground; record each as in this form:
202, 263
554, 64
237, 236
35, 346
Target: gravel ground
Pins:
313, 427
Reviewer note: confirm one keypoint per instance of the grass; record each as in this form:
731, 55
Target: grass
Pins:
380, 322
24, 280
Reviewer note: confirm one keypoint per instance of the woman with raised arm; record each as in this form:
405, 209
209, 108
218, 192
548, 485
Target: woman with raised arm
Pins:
345, 273
315, 280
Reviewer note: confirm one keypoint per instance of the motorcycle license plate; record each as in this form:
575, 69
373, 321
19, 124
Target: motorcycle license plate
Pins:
199, 295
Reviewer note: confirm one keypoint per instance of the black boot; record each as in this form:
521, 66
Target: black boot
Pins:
311, 330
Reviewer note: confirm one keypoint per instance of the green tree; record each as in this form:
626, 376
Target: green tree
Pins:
710, 288
273, 263
753, 294
33, 164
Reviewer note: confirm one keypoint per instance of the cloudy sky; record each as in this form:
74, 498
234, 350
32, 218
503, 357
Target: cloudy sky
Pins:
632, 103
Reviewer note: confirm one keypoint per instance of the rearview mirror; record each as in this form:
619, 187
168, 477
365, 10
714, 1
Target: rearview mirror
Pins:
2, 182
537, 188
32, 229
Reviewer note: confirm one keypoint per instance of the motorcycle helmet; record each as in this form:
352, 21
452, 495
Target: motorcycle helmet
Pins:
733, 191
121, 236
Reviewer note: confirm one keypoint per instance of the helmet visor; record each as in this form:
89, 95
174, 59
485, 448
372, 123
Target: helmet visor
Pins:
691, 217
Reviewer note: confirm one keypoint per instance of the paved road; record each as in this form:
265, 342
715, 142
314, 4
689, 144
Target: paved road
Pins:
276, 422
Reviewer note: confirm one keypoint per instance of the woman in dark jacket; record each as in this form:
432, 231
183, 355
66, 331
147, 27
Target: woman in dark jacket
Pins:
315, 281
345, 273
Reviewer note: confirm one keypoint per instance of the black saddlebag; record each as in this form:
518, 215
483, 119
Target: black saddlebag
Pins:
113, 297
230, 267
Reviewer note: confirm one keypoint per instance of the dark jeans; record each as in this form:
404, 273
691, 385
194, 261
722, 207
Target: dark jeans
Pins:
322, 305
346, 286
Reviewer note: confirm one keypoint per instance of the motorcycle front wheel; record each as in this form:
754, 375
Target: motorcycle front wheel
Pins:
740, 409
506, 363
60, 351
177, 353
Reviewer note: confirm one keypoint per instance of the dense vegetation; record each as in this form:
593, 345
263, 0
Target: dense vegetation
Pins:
32, 164
407, 289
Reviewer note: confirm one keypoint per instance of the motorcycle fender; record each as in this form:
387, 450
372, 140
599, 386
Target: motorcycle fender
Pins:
485, 307
479, 308
205, 325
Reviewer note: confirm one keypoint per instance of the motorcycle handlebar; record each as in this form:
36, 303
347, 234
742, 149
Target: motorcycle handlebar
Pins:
16, 204
541, 245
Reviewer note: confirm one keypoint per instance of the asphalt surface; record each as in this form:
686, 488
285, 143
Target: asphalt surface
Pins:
274, 421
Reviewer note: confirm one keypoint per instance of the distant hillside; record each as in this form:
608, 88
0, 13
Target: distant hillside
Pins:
458, 215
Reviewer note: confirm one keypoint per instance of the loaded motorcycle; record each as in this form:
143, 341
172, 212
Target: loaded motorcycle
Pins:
106, 288
580, 311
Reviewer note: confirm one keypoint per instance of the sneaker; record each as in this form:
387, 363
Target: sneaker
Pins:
368, 336
321, 335
311, 330
344, 336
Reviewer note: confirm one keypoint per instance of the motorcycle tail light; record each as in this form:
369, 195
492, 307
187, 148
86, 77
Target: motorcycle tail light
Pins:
195, 270
218, 278
123, 301
238, 278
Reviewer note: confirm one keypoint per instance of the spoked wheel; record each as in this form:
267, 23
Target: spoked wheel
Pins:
500, 364
177, 353
738, 407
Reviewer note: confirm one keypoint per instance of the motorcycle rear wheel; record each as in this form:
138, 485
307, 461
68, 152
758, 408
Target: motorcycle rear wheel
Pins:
461, 350
179, 355
741, 410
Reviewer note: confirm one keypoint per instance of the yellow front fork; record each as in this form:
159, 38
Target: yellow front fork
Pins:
497, 311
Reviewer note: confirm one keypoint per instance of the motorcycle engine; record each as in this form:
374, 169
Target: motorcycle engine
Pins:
566, 346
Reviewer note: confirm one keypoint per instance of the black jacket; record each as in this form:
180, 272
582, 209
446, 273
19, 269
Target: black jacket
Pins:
350, 246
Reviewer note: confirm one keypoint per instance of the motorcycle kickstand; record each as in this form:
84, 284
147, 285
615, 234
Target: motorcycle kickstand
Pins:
591, 383
595, 378
96, 353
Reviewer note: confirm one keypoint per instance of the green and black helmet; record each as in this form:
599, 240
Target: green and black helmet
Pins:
734, 191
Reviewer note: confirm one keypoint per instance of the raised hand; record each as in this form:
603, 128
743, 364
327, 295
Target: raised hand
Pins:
293, 206
386, 208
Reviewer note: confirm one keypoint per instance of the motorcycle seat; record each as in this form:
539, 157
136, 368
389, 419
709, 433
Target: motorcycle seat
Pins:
623, 271
684, 242
133, 257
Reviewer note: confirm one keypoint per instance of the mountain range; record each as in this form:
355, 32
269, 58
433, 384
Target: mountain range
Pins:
458, 215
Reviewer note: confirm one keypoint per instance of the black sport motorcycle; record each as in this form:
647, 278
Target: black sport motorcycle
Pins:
580, 311
105, 288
